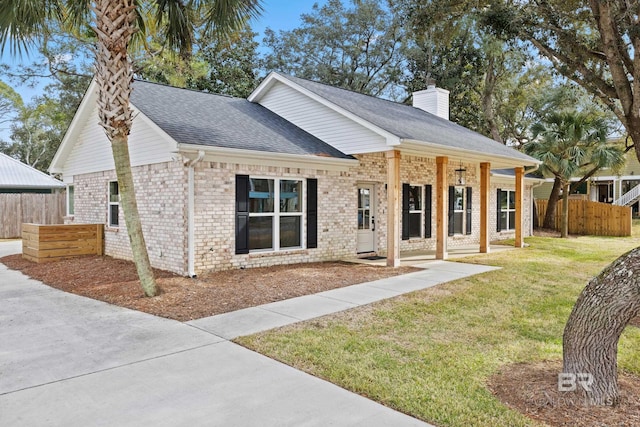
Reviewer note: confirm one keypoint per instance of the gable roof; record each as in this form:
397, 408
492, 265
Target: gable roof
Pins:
200, 118
408, 123
16, 175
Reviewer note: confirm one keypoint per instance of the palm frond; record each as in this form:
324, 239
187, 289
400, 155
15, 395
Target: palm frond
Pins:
23, 21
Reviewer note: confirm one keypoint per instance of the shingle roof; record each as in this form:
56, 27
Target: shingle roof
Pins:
193, 117
16, 175
407, 122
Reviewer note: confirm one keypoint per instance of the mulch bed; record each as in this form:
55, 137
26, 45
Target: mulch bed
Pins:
532, 389
115, 281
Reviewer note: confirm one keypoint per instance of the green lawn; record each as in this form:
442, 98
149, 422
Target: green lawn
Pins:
430, 353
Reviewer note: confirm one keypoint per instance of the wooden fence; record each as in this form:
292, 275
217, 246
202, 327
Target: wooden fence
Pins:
591, 218
45, 243
16, 209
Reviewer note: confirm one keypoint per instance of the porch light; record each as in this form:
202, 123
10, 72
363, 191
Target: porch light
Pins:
460, 175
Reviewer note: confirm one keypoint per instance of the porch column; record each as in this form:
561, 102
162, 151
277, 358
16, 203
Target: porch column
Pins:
485, 185
519, 205
393, 208
442, 205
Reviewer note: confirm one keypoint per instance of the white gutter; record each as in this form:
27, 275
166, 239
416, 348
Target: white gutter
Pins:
191, 233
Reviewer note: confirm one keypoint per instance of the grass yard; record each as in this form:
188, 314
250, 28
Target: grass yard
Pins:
431, 353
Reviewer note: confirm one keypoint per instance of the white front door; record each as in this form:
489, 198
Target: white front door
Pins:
366, 218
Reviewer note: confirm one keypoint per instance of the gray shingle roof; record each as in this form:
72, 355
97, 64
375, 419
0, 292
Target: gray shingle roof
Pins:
409, 123
193, 117
16, 175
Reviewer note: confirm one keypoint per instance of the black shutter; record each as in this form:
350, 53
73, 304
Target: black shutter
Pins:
427, 211
452, 195
405, 211
469, 209
242, 214
312, 213
498, 210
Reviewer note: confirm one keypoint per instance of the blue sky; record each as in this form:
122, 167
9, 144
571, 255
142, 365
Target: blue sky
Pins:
277, 15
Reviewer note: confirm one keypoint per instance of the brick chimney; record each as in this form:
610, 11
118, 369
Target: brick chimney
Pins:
433, 100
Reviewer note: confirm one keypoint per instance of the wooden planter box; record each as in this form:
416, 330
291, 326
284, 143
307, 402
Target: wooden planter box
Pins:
46, 243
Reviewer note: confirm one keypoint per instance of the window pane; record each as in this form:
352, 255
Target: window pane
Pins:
261, 195
503, 200
458, 201
71, 204
261, 232
503, 221
512, 200
414, 224
363, 219
290, 196
512, 220
290, 231
457, 222
415, 198
113, 215
114, 192
363, 198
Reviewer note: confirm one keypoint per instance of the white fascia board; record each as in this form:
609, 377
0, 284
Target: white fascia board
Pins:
273, 77
499, 178
262, 158
417, 148
82, 114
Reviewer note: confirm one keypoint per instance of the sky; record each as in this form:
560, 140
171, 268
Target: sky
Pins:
277, 15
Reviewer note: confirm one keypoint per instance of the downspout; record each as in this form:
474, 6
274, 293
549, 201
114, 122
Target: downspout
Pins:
191, 233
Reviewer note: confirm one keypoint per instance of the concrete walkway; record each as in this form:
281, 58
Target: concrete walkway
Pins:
67, 360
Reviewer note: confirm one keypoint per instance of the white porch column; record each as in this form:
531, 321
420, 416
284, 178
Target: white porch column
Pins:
442, 206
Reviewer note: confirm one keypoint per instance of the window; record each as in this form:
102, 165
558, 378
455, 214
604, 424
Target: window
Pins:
507, 209
458, 210
275, 214
415, 211
70, 200
114, 204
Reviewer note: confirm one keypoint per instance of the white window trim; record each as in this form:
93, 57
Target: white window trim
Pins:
110, 203
463, 222
276, 214
510, 227
70, 189
420, 211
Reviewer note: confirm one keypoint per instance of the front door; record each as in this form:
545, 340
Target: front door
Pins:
366, 218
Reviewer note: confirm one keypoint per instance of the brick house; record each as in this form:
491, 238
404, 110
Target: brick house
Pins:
298, 172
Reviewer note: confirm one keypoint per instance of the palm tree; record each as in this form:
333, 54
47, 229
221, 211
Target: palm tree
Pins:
571, 144
114, 23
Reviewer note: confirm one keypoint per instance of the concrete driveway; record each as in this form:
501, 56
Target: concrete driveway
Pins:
67, 360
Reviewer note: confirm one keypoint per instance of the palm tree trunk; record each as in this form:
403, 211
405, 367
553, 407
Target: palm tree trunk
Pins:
550, 214
564, 230
114, 20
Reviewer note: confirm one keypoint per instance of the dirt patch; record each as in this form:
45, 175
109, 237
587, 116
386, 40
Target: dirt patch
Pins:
115, 281
532, 389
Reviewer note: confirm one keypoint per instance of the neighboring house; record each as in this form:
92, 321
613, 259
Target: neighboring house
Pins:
17, 177
619, 188
27, 195
298, 172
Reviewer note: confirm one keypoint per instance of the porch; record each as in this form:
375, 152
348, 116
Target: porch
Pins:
417, 258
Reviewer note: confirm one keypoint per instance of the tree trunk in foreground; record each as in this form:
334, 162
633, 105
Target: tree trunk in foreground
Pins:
591, 335
564, 228
550, 214
114, 27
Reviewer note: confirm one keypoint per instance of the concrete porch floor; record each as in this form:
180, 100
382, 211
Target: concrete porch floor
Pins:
414, 258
